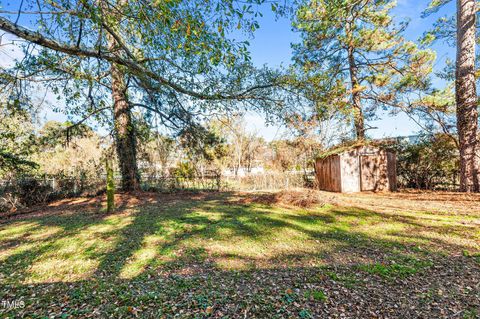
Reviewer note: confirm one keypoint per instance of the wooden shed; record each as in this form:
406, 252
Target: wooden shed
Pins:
357, 169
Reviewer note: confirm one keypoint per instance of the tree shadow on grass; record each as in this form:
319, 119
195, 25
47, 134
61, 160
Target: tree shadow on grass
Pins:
208, 256
295, 292
192, 235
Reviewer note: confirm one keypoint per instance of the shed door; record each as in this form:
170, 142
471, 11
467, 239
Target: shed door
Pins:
370, 172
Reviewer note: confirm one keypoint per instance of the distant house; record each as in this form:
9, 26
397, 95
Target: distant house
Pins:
356, 168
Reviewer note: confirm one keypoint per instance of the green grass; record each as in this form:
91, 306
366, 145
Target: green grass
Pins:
471, 314
317, 295
348, 280
150, 253
395, 270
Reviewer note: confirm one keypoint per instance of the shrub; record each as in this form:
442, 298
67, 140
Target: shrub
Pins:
184, 170
24, 192
430, 163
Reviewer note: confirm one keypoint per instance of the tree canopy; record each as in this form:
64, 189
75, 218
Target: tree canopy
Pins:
173, 60
178, 55
354, 58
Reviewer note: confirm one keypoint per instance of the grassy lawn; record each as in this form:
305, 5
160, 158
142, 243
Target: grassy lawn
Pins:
233, 255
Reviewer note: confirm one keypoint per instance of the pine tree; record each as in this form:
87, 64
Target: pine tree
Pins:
466, 95
461, 31
353, 57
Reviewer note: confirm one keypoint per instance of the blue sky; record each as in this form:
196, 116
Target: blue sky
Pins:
271, 45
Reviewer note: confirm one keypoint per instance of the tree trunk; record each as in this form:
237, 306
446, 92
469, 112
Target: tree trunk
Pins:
466, 95
125, 139
124, 130
358, 120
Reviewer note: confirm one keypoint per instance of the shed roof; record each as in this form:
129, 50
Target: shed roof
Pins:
350, 146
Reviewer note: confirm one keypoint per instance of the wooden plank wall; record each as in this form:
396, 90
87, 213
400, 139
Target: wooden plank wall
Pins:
328, 173
392, 170
374, 173
361, 169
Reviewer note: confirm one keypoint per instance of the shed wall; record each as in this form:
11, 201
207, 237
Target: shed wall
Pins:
364, 168
328, 173
373, 171
392, 170
350, 174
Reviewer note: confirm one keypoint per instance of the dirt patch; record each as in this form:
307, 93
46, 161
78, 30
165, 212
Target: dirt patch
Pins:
304, 198
300, 198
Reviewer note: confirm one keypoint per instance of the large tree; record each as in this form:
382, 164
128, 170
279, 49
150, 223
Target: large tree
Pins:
466, 95
461, 31
353, 57
173, 60
125, 139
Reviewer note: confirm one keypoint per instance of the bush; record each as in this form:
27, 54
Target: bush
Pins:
430, 163
22, 193
184, 170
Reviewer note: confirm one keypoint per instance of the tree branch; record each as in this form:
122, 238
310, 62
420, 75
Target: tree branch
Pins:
132, 66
